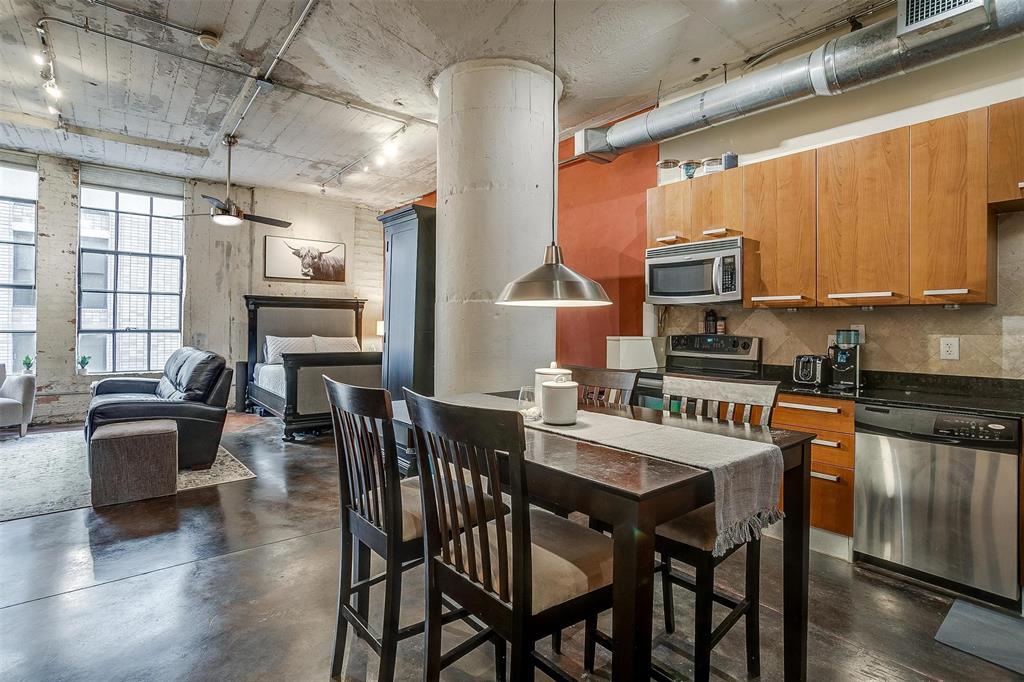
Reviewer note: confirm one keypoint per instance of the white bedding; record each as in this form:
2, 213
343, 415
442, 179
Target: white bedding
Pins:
270, 378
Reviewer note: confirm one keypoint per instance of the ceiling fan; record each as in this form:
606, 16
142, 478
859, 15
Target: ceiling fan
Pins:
226, 212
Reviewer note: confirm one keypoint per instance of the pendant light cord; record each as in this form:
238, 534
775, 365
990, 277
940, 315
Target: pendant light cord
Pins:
554, 114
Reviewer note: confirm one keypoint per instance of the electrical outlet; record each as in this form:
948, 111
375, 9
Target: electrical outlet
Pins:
949, 348
863, 332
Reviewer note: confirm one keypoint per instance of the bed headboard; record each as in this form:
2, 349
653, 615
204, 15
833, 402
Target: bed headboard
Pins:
300, 316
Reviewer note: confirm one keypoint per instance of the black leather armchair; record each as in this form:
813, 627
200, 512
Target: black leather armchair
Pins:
193, 392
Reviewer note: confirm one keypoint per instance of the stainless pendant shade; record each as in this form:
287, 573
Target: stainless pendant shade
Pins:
553, 285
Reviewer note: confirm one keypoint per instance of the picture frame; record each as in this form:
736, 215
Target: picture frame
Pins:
304, 260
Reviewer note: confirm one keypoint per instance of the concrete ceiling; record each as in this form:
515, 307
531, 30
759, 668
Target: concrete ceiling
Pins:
132, 107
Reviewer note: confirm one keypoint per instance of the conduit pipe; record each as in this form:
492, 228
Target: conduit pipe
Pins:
842, 64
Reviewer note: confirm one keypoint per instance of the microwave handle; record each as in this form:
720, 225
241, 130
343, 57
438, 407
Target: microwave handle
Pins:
716, 276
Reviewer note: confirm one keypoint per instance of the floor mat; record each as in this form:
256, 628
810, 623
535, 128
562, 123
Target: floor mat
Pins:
991, 635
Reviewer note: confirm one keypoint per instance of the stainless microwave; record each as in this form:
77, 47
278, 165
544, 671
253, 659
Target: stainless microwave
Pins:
698, 272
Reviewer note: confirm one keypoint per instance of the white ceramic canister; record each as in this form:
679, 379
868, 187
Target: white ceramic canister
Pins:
560, 401
542, 374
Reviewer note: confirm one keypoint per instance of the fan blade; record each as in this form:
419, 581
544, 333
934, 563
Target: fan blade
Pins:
189, 215
266, 221
216, 202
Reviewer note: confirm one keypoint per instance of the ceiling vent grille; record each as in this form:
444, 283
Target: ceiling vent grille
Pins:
925, 21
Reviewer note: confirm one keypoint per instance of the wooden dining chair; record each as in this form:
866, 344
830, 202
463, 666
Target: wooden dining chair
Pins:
525, 575
605, 386
691, 537
381, 513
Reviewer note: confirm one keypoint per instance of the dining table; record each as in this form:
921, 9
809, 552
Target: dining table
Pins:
633, 493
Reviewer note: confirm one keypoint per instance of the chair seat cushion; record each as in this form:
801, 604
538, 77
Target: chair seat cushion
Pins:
569, 560
107, 398
412, 509
696, 529
11, 412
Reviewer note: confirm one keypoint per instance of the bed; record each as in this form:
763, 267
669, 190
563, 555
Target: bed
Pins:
294, 341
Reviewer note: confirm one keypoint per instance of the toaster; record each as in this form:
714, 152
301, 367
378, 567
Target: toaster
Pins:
812, 370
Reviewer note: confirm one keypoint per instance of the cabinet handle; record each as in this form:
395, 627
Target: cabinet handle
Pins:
826, 443
809, 408
796, 297
714, 231
825, 477
945, 292
667, 238
1020, 185
864, 294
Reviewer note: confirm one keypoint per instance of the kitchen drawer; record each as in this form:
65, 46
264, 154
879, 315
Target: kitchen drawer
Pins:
828, 447
813, 413
832, 498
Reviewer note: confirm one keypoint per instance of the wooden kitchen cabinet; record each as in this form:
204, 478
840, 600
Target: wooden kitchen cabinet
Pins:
716, 205
1006, 155
832, 498
668, 214
864, 221
779, 223
952, 233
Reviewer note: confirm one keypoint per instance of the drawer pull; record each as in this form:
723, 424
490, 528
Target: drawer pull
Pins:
796, 297
826, 443
809, 408
864, 294
714, 231
1020, 185
945, 292
667, 238
825, 477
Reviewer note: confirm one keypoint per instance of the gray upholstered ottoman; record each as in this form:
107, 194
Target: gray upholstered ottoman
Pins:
133, 461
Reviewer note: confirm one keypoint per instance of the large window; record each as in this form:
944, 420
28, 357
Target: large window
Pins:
18, 191
131, 273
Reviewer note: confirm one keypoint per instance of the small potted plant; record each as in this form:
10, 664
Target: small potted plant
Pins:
27, 363
83, 364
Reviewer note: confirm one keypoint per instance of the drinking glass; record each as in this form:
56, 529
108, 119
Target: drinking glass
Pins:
527, 404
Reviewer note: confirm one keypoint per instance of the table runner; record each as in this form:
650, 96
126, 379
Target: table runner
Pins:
747, 474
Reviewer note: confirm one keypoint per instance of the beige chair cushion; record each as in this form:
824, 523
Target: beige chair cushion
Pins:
696, 529
569, 560
412, 508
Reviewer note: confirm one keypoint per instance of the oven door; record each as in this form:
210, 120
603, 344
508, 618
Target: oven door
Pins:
692, 278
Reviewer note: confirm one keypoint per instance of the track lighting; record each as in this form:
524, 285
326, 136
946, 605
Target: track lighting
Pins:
380, 160
51, 88
52, 109
39, 58
366, 169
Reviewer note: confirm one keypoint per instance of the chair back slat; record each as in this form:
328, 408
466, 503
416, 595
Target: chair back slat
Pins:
364, 441
468, 452
600, 386
712, 393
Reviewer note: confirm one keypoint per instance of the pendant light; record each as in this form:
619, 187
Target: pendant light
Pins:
553, 285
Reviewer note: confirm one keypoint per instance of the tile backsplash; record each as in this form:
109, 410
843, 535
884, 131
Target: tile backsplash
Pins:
899, 339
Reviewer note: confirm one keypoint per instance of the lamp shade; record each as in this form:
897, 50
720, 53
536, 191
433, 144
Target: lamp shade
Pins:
380, 327
553, 285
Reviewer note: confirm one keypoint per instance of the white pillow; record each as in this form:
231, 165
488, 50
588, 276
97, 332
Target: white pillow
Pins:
336, 344
275, 345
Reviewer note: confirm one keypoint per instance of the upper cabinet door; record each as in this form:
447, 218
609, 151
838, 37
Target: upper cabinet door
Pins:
1006, 153
952, 237
717, 205
779, 226
864, 221
668, 214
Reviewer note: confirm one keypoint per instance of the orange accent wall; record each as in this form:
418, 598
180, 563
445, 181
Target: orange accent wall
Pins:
428, 200
602, 229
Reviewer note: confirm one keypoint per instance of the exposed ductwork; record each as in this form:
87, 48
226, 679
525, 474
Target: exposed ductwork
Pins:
846, 63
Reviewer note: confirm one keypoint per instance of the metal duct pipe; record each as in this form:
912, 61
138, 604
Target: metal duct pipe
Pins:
842, 64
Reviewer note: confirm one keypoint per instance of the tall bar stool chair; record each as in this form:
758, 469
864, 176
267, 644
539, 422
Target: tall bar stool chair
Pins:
601, 386
525, 575
690, 538
381, 513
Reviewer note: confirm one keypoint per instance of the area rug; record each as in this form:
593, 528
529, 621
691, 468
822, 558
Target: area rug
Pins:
48, 472
991, 635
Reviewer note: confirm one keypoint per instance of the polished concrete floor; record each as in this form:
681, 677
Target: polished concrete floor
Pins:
238, 582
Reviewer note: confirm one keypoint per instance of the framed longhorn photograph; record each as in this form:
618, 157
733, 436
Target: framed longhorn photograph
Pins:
310, 260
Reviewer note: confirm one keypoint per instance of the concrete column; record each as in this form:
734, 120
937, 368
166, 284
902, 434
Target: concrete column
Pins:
493, 222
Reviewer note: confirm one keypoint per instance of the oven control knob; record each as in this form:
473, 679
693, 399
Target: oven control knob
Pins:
745, 345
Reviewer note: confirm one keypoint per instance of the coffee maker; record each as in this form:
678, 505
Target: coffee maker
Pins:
844, 354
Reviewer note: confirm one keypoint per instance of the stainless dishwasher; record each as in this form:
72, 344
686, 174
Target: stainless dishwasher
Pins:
936, 497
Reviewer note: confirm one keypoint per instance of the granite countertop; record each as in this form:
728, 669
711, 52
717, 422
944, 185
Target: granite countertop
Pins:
976, 395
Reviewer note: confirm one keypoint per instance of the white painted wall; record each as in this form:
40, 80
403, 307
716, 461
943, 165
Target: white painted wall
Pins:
222, 264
